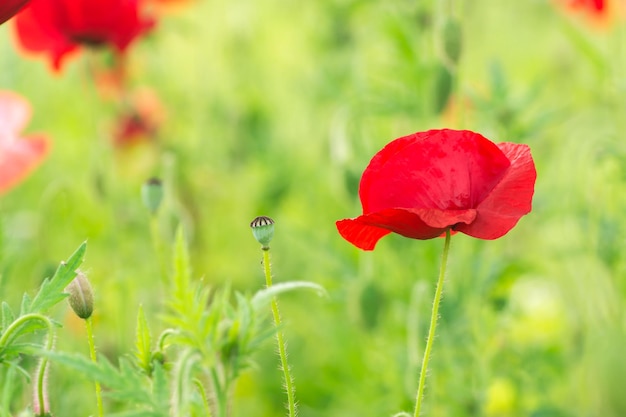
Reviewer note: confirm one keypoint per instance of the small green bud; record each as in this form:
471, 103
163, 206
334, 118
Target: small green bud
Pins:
452, 35
152, 194
263, 230
81, 296
442, 87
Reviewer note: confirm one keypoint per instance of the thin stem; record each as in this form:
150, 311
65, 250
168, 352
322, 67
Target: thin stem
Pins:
41, 372
282, 349
433, 325
220, 394
41, 383
205, 400
157, 242
94, 359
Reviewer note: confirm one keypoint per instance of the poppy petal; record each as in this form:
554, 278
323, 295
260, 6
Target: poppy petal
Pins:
19, 157
361, 235
509, 200
9, 7
438, 169
365, 231
15, 112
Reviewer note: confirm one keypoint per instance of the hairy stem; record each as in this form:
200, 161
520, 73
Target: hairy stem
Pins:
94, 359
282, 348
433, 326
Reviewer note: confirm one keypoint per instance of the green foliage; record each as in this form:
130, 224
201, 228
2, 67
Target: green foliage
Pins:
275, 108
51, 291
143, 343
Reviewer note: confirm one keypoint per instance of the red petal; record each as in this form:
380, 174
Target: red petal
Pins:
9, 7
438, 169
365, 231
361, 235
18, 158
15, 112
39, 29
509, 200
57, 27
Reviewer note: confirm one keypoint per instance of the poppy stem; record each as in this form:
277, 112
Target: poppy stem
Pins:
433, 325
94, 359
282, 346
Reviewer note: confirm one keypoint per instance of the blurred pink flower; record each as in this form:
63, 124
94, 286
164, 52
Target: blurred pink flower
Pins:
9, 7
58, 27
18, 156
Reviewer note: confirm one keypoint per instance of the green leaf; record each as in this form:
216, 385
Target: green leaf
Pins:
143, 342
125, 384
51, 291
263, 297
160, 389
182, 269
7, 317
24, 308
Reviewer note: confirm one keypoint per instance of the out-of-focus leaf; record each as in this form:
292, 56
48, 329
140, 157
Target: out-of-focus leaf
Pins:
7, 317
143, 342
263, 297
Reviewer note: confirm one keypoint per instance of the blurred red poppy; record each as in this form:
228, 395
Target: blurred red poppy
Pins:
18, 156
9, 7
597, 12
423, 184
141, 121
597, 7
58, 27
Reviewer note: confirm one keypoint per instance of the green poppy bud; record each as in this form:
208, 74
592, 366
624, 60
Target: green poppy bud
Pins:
81, 296
452, 40
152, 194
263, 230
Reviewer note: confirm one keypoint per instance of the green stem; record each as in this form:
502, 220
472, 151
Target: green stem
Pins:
433, 325
157, 243
205, 400
220, 394
94, 359
282, 349
41, 372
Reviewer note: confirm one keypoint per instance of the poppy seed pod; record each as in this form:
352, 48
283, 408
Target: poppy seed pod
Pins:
263, 230
81, 296
152, 194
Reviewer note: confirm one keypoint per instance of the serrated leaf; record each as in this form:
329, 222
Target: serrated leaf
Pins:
160, 390
263, 297
52, 290
124, 384
7, 317
143, 342
25, 306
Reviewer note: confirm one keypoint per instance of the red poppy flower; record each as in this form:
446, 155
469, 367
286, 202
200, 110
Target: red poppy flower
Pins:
597, 12
423, 184
9, 7
18, 157
58, 27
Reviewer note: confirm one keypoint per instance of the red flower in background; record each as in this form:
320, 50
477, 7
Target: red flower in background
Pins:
597, 7
9, 7
597, 12
58, 27
422, 184
141, 121
18, 157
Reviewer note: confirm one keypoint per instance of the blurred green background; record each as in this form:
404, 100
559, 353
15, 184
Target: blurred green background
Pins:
275, 108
